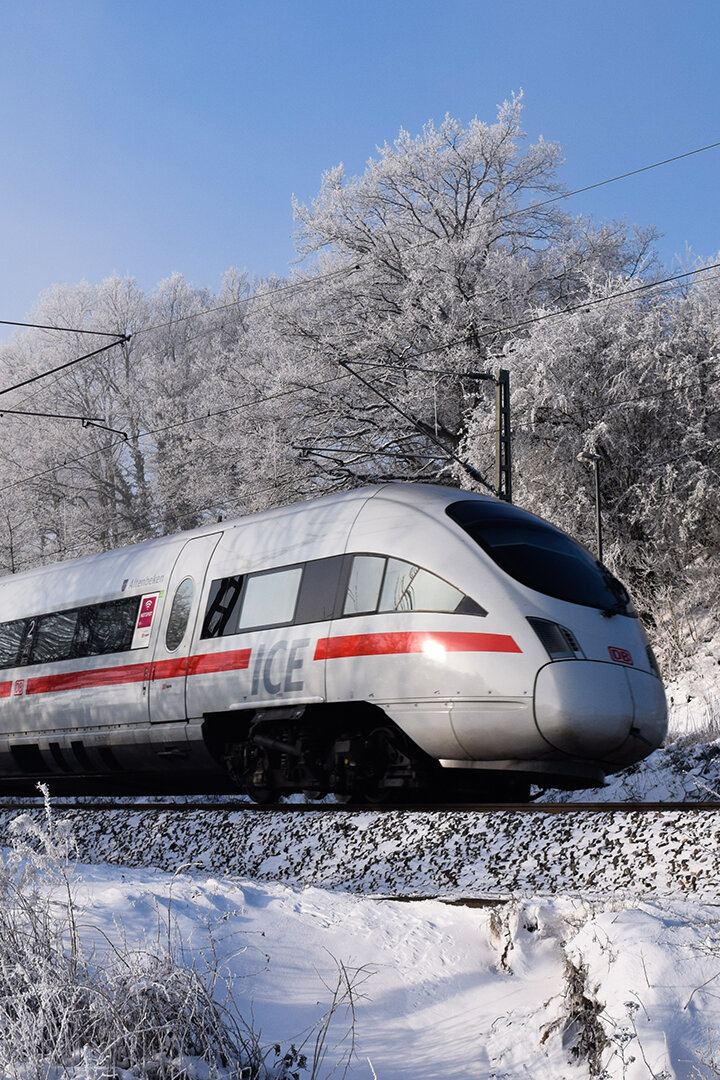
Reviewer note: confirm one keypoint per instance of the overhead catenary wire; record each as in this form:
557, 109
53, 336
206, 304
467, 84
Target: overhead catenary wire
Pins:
87, 421
163, 429
204, 333
673, 280
63, 329
60, 367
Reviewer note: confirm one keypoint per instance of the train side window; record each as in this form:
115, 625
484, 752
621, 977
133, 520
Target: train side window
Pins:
410, 588
27, 641
223, 606
363, 589
379, 584
179, 614
270, 598
67, 635
83, 632
397, 593
318, 590
11, 636
54, 636
107, 628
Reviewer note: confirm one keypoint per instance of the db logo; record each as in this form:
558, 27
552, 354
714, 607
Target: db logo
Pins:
18, 687
620, 656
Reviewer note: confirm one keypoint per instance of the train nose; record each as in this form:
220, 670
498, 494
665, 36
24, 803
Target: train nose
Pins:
589, 708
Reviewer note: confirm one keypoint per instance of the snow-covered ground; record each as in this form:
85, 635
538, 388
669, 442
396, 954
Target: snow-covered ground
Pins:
572, 949
549, 988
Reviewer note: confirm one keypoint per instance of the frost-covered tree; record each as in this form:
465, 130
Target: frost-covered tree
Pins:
430, 260
80, 484
635, 381
132, 469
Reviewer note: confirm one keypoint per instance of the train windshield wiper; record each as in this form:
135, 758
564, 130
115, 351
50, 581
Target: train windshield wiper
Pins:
622, 599
618, 608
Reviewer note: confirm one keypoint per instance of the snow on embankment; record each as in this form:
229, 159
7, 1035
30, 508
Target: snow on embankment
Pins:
443, 853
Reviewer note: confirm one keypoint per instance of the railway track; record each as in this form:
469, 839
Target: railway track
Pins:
472, 854
238, 806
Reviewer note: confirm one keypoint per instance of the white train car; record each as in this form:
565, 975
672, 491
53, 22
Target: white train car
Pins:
399, 640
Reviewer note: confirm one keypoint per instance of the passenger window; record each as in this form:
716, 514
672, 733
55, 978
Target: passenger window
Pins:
364, 584
179, 614
378, 584
319, 589
106, 628
409, 588
68, 635
397, 594
11, 636
269, 599
54, 637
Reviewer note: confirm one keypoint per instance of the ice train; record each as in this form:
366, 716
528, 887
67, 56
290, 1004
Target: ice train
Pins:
392, 642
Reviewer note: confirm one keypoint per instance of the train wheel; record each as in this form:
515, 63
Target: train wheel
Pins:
258, 794
384, 754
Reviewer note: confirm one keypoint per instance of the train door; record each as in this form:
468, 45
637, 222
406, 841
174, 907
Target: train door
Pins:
168, 675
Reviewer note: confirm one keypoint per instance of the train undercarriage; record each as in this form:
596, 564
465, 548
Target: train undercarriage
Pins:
358, 755
352, 752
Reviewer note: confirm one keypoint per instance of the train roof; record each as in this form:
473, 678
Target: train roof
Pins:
118, 562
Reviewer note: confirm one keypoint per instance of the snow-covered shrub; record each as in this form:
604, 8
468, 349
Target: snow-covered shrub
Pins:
141, 1010
147, 1012
582, 1033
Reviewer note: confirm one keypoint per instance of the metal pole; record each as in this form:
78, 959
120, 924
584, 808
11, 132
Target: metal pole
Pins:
503, 447
594, 460
598, 512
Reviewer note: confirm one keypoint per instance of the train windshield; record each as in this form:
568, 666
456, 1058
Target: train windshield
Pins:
540, 556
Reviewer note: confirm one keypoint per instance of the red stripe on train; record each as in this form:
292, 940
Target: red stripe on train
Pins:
235, 660
80, 680
413, 642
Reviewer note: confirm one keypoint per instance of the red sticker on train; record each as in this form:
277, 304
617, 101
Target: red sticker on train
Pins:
147, 610
620, 656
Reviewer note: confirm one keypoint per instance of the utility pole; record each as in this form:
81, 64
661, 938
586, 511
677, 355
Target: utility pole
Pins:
503, 444
503, 448
594, 460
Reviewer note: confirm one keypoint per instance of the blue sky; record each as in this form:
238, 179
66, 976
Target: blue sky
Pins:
143, 136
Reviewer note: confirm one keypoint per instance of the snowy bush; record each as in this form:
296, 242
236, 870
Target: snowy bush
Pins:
148, 1012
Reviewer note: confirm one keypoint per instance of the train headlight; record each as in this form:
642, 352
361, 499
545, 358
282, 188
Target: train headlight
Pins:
559, 642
